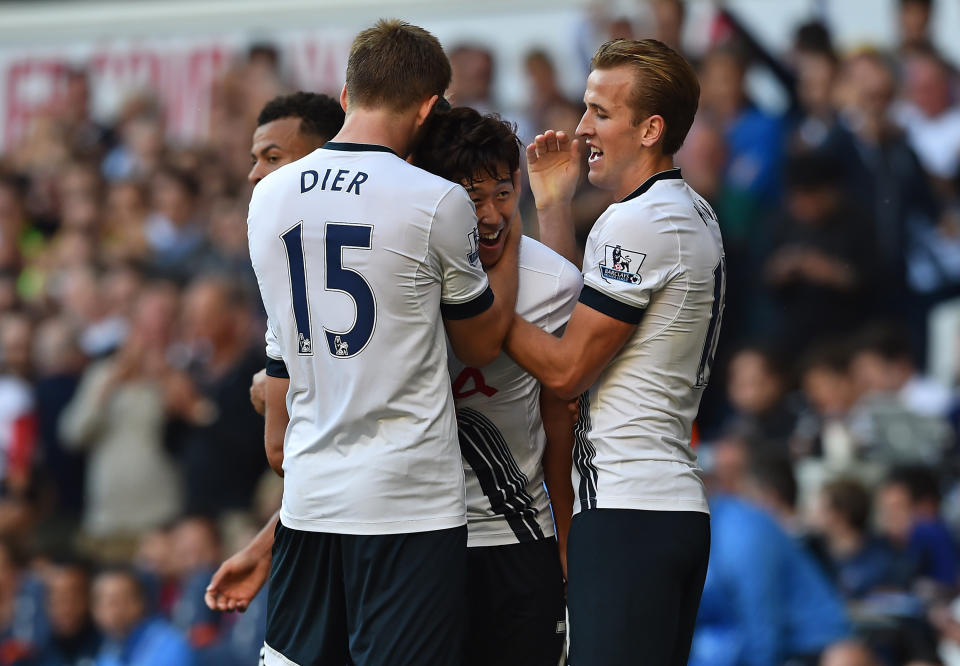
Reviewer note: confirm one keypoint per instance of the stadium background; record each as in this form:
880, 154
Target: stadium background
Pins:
126, 347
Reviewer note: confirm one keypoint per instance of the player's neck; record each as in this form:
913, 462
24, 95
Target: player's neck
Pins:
380, 127
647, 165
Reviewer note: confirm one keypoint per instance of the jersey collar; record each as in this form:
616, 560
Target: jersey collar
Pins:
357, 147
669, 174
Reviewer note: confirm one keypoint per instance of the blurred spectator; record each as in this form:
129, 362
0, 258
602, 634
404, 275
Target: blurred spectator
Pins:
821, 257
472, 82
764, 601
757, 385
216, 423
18, 422
74, 641
141, 148
883, 363
119, 416
771, 484
59, 363
545, 93
196, 555
174, 232
859, 563
669, 17
930, 117
133, 638
849, 653
123, 238
909, 508
22, 623
914, 22
823, 430
902, 201
83, 136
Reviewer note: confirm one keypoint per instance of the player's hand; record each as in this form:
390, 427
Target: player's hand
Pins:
236, 582
258, 392
553, 163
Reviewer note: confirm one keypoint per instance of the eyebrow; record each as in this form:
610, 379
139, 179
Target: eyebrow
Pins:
266, 149
504, 181
595, 106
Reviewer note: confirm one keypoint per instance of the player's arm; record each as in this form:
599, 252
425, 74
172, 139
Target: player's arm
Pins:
569, 365
557, 463
237, 581
553, 165
276, 384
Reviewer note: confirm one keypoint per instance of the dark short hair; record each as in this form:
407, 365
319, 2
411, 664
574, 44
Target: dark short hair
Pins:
320, 115
851, 500
461, 144
814, 37
888, 341
396, 65
665, 84
833, 356
921, 482
775, 473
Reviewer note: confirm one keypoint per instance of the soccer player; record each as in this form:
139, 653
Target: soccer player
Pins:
513, 437
637, 350
359, 257
290, 127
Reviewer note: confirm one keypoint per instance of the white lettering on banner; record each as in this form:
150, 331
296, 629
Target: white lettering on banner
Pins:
182, 74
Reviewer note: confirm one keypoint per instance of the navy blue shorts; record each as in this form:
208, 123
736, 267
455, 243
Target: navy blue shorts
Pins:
390, 600
515, 607
635, 583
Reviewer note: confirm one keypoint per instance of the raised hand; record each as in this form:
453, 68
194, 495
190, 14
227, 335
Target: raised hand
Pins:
553, 163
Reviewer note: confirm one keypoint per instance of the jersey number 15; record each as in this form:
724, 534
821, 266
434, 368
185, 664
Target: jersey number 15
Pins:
341, 344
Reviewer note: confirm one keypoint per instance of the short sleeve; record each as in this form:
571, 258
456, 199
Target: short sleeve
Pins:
454, 254
275, 365
569, 287
628, 259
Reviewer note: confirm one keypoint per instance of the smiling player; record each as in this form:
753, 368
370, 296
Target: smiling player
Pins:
638, 350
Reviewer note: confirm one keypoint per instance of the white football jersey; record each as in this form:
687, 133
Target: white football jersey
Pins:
655, 259
356, 252
498, 414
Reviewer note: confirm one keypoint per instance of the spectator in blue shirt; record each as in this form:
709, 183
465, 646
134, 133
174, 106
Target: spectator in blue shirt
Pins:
132, 637
765, 601
909, 503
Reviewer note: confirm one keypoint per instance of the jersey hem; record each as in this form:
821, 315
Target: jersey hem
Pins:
648, 504
390, 527
503, 538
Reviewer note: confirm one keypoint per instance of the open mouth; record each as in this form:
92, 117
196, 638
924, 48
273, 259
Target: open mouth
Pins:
491, 239
595, 154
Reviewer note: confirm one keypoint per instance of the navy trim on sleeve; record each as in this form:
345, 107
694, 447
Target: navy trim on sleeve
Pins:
356, 147
277, 369
478, 305
601, 302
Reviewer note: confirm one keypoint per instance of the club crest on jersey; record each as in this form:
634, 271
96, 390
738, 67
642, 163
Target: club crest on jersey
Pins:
621, 264
473, 247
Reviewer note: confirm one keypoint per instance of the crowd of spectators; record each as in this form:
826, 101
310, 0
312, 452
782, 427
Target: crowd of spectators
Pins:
131, 462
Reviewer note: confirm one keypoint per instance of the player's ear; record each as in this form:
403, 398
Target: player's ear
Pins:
652, 130
425, 108
343, 98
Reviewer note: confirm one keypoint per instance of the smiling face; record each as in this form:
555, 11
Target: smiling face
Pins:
496, 201
277, 143
615, 142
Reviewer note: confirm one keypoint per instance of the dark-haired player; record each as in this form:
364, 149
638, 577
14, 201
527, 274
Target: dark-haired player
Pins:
513, 437
360, 257
290, 127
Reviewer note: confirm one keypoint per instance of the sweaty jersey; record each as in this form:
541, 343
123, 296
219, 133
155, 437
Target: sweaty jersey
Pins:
498, 414
654, 259
356, 252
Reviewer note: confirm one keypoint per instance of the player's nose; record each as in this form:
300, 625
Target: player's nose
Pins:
257, 172
584, 127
